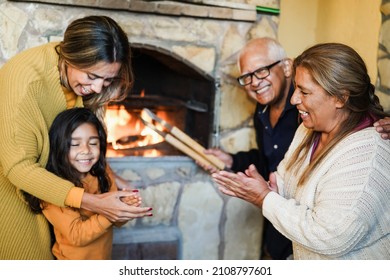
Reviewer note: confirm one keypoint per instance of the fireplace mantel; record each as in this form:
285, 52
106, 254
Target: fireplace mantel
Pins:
190, 8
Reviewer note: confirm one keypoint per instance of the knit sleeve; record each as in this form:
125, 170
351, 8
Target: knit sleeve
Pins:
31, 96
344, 204
74, 197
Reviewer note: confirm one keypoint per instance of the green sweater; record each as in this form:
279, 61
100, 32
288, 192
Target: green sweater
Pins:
31, 96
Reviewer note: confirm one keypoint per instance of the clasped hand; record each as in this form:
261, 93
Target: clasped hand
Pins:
113, 205
249, 186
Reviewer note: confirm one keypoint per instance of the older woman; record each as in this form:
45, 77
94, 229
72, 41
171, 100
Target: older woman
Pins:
330, 194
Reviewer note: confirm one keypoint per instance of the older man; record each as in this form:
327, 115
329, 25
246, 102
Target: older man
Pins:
266, 76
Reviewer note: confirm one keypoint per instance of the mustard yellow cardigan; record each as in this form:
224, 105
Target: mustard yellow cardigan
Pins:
30, 98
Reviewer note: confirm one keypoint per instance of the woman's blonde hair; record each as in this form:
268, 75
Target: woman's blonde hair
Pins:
88, 41
342, 73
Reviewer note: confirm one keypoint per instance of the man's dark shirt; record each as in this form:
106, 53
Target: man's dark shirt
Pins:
273, 144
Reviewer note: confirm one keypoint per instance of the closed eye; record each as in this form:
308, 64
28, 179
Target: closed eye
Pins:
92, 77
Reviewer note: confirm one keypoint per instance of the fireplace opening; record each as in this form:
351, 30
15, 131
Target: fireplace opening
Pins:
172, 88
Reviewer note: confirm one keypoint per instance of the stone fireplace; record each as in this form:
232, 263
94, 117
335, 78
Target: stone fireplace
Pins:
171, 87
185, 57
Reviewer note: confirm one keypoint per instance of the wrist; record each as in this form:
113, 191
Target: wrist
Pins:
260, 199
88, 202
229, 162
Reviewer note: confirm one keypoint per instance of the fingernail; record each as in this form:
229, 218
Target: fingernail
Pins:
135, 190
150, 214
150, 209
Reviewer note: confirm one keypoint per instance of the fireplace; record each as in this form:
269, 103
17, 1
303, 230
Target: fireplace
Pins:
184, 57
172, 88
181, 94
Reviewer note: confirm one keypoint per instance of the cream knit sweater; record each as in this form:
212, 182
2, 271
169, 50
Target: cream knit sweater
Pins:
343, 211
30, 98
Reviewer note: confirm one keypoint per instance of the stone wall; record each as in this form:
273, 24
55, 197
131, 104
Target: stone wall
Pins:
191, 219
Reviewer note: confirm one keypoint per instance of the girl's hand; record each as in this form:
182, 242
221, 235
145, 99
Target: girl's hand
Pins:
111, 206
134, 200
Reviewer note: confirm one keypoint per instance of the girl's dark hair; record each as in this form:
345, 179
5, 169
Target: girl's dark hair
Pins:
60, 135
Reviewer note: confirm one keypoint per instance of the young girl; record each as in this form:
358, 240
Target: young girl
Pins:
77, 153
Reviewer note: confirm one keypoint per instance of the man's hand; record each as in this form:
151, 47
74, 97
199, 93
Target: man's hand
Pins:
218, 153
383, 127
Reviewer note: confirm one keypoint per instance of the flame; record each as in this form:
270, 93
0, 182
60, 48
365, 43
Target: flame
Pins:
152, 153
121, 124
116, 120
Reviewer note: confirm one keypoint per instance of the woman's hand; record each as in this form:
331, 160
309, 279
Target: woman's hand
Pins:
383, 127
111, 206
272, 183
249, 186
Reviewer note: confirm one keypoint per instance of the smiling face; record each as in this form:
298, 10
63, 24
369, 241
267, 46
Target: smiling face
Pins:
318, 110
270, 90
93, 80
84, 150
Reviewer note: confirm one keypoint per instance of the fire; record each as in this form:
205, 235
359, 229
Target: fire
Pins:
126, 131
116, 121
